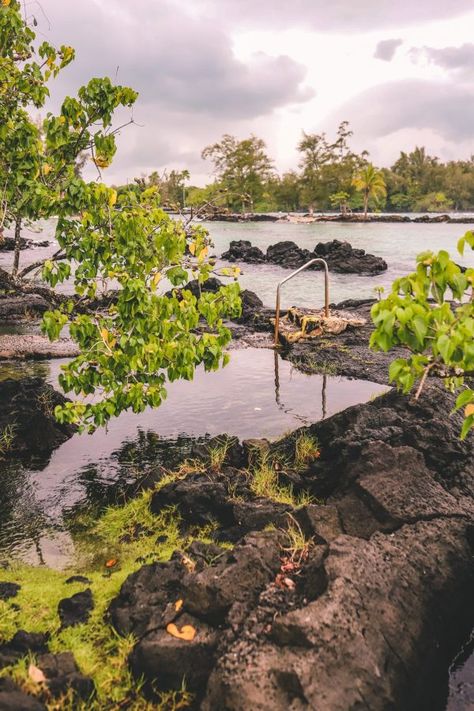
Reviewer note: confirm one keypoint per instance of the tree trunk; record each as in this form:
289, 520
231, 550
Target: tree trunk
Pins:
366, 204
16, 257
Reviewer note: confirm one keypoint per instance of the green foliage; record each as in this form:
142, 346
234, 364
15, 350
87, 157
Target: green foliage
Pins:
145, 338
431, 312
371, 183
264, 482
242, 168
306, 450
38, 162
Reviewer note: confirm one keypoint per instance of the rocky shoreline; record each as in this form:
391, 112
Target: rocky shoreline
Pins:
349, 218
337, 570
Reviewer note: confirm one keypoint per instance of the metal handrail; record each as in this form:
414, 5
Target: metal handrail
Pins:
326, 291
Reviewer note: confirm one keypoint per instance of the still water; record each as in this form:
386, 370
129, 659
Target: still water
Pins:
397, 243
257, 395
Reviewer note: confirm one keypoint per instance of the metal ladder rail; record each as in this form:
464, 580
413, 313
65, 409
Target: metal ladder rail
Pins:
297, 271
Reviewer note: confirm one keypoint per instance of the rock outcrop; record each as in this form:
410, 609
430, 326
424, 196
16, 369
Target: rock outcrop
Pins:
362, 614
27, 420
341, 257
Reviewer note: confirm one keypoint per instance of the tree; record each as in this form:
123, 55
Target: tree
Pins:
328, 168
431, 313
242, 169
370, 182
145, 337
37, 163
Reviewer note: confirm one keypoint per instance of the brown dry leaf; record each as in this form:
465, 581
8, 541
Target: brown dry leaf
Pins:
36, 674
189, 564
187, 632
469, 410
178, 605
111, 563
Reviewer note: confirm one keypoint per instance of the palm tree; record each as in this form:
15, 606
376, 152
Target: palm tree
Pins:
371, 183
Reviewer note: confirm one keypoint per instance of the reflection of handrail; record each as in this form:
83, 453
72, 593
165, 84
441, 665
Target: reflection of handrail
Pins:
326, 291
289, 410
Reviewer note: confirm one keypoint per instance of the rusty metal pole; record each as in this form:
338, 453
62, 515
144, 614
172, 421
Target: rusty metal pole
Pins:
297, 271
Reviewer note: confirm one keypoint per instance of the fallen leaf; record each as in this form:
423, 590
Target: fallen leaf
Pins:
469, 410
111, 563
178, 605
36, 674
187, 632
189, 564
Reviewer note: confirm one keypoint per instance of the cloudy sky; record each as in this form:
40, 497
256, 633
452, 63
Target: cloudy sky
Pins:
402, 73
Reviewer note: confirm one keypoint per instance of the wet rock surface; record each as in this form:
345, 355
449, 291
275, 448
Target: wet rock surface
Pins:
375, 603
27, 416
341, 257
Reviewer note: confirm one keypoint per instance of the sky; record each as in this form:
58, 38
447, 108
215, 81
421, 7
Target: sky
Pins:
401, 72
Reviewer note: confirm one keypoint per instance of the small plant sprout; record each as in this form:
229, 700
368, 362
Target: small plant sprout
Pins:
297, 549
379, 291
306, 450
7, 437
264, 483
217, 454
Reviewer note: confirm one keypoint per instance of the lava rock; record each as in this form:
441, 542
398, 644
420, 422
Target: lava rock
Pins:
257, 514
242, 251
8, 590
78, 579
232, 451
62, 675
75, 610
144, 597
12, 698
236, 579
200, 500
27, 409
17, 308
288, 254
167, 661
22, 643
342, 258
319, 521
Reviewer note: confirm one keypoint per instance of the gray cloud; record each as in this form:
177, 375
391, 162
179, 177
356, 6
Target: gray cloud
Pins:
386, 49
338, 15
456, 59
191, 86
175, 61
443, 107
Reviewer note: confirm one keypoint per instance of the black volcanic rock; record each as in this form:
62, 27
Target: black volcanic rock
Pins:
27, 412
341, 257
242, 251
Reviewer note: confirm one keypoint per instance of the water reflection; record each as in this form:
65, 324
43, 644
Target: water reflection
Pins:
257, 395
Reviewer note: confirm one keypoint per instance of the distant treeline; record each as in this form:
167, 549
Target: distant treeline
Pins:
330, 176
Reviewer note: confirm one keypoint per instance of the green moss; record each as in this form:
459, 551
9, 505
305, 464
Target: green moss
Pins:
128, 535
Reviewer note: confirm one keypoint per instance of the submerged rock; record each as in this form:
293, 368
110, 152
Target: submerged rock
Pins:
27, 418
